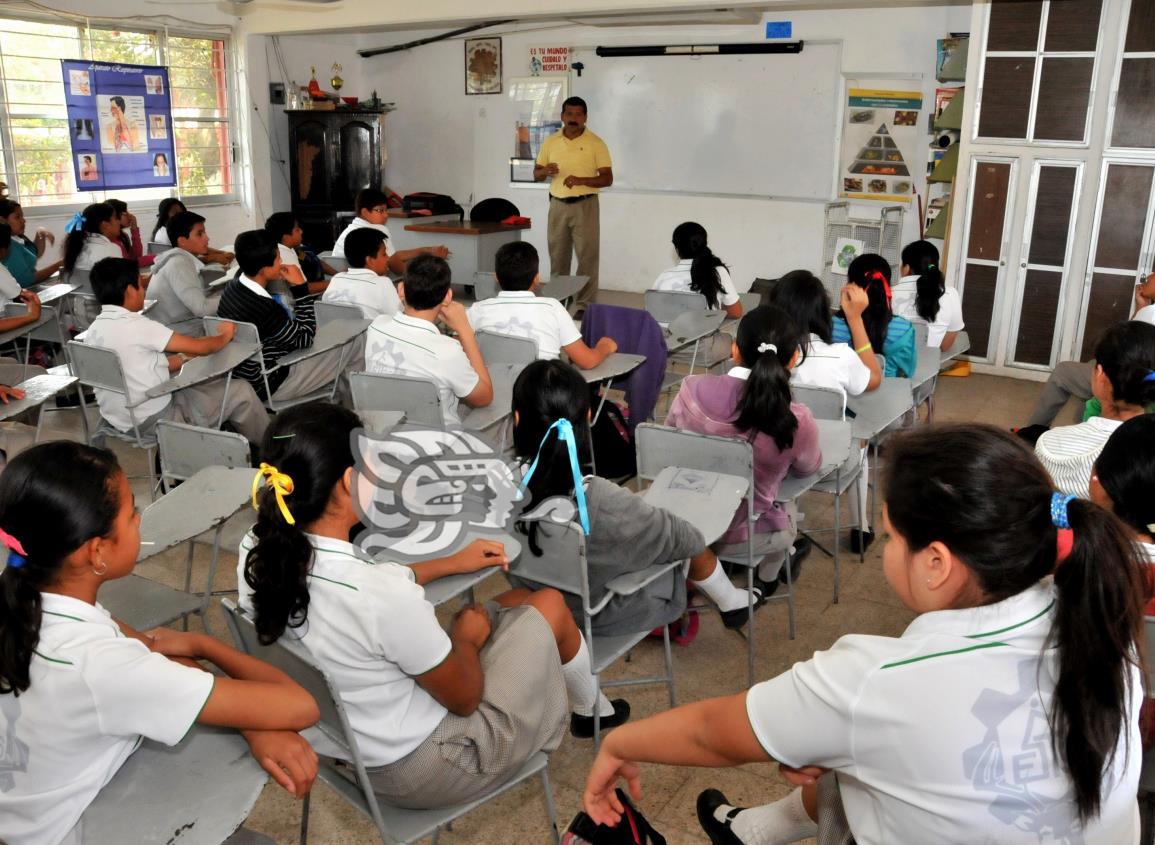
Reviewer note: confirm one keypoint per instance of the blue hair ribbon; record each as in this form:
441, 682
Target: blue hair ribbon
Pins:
75, 222
1150, 376
1059, 502
565, 435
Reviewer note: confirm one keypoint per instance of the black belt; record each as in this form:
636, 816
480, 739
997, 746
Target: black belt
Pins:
572, 200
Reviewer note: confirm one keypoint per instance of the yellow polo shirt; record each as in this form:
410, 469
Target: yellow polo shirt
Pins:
582, 156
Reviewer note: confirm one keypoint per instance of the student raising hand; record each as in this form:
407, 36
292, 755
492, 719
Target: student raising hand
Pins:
853, 300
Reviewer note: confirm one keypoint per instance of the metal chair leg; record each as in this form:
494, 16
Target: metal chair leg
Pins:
550, 809
305, 820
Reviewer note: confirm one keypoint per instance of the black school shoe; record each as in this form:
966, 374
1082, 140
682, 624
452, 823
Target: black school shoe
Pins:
734, 619
583, 726
719, 832
860, 540
802, 547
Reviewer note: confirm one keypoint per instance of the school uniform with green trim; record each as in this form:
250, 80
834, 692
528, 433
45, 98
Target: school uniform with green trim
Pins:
941, 735
95, 694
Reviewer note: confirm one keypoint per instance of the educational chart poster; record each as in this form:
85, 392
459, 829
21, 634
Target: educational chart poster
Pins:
120, 125
882, 148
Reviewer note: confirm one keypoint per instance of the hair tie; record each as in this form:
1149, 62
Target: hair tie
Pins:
565, 435
1150, 376
1059, 502
930, 266
877, 276
75, 222
281, 484
16, 554
767, 347
1064, 542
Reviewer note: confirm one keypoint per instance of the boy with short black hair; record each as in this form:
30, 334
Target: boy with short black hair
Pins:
518, 311
365, 284
372, 212
282, 328
410, 344
182, 298
151, 353
286, 231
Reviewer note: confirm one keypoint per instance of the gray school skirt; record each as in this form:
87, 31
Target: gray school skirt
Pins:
524, 710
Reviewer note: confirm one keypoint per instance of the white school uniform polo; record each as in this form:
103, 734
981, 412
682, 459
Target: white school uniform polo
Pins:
524, 314
833, 365
94, 693
161, 237
140, 343
288, 256
371, 628
96, 247
9, 287
948, 319
678, 278
374, 295
1069, 453
941, 735
1146, 314
410, 346
362, 223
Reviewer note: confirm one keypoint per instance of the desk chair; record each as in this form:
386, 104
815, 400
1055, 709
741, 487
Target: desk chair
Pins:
830, 404
328, 312
961, 346
416, 397
37, 391
155, 248
562, 565
667, 306
661, 446
485, 286
100, 368
338, 263
498, 348
396, 826
926, 372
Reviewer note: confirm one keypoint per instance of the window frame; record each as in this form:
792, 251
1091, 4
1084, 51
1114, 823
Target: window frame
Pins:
1144, 154
8, 155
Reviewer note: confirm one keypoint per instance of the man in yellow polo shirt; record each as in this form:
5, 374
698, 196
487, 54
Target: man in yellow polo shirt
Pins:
578, 164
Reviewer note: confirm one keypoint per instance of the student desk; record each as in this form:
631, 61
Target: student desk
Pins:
834, 439
878, 409
503, 376
706, 500
563, 288
330, 335
195, 793
692, 327
472, 246
19, 309
49, 293
961, 345
37, 391
615, 366
206, 368
442, 590
398, 219
381, 422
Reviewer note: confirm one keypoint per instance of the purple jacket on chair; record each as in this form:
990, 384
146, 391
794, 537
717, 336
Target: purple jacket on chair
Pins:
638, 333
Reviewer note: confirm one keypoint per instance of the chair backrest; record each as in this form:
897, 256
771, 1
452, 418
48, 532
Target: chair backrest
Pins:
211, 274
331, 312
660, 446
562, 562
485, 285
187, 449
497, 348
666, 305
417, 397
97, 366
826, 403
246, 332
155, 248
81, 278
921, 333
338, 263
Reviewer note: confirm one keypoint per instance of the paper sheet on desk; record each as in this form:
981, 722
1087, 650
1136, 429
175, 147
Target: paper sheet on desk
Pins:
694, 481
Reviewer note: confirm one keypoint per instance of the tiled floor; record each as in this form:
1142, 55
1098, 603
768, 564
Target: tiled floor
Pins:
713, 665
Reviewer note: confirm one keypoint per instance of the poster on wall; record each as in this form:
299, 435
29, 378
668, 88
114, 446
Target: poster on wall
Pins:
537, 115
548, 60
882, 149
120, 120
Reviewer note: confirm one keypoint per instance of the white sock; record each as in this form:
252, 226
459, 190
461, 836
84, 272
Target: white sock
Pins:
721, 591
582, 686
771, 567
771, 824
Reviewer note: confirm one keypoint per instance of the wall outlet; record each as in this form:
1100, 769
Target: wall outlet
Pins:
277, 93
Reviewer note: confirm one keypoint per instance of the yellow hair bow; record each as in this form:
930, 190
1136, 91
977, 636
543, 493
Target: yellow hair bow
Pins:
281, 484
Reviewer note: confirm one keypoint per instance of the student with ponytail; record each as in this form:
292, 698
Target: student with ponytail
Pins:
79, 690
1006, 712
700, 271
92, 234
922, 294
1123, 482
752, 401
169, 208
624, 534
889, 335
1123, 380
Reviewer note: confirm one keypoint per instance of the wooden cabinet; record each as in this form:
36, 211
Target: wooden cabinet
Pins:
333, 155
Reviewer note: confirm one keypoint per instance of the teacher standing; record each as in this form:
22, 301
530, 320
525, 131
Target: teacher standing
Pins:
578, 164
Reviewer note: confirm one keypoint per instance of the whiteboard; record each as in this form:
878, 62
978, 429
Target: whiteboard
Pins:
755, 125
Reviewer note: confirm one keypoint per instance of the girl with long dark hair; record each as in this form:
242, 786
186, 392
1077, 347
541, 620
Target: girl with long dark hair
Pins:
700, 271
23, 256
890, 335
93, 234
922, 294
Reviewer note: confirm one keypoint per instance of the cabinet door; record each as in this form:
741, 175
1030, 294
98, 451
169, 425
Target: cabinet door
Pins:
358, 160
1122, 250
309, 179
990, 199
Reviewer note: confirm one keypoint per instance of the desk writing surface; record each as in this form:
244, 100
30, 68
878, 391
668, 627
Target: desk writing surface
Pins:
196, 506
502, 376
37, 391
615, 365
834, 441
50, 293
706, 500
206, 367
330, 335
877, 409
465, 227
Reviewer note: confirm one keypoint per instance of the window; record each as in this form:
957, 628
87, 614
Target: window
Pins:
1134, 105
35, 155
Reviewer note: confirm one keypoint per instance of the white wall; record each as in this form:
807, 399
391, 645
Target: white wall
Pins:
442, 140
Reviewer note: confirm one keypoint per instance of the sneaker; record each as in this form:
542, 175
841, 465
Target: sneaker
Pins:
583, 726
719, 832
860, 540
734, 619
802, 548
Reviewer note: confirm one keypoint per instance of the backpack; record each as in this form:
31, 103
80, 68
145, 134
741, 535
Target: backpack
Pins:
633, 829
433, 203
614, 453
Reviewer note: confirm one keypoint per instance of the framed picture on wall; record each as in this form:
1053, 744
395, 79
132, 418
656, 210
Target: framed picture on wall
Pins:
482, 65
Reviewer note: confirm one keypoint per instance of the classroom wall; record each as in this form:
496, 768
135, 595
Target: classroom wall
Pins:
442, 140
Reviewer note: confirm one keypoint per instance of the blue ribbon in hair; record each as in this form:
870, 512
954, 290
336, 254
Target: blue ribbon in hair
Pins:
565, 435
74, 223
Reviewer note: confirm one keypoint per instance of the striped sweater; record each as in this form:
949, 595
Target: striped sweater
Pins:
1069, 453
279, 334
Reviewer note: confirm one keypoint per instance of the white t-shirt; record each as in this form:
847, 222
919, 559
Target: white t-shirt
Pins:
161, 237
833, 365
140, 343
948, 319
94, 694
1069, 452
524, 314
374, 295
95, 248
410, 346
9, 287
372, 630
1146, 314
941, 735
289, 256
362, 223
678, 278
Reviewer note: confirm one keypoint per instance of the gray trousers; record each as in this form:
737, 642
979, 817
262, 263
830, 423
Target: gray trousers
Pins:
576, 227
314, 373
201, 405
1069, 378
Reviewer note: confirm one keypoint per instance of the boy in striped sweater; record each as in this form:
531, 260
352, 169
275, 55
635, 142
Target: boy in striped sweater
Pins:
283, 328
